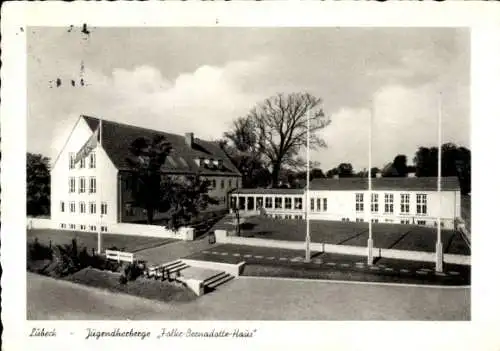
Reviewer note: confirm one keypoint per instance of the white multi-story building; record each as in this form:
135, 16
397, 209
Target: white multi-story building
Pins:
394, 200
97, 190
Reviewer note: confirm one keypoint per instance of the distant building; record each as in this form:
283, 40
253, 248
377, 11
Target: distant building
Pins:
100, 184
394, 200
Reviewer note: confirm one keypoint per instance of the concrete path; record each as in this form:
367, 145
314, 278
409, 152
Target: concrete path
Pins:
172, 251
253, 299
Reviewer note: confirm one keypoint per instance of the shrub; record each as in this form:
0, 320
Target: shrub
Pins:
68, 259
37, 251
123, 279
132, 271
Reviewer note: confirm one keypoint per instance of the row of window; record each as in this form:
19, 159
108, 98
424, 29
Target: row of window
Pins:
389, 203
83, 227
387, 220
249, 203
92, 207
82, 185
318, 207
278, 216
82, 163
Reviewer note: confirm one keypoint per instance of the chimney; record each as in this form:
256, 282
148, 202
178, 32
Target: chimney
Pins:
189, 137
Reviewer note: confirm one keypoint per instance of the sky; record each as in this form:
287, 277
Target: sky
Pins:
200, 79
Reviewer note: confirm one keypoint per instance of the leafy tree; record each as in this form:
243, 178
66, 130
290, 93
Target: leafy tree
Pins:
184, 198
149, 155
278, 127
316, 173
332, 173
38, 185
345, 170
400, 166
455, 161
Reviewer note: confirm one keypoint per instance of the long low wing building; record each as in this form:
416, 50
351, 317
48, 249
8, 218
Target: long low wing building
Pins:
394, 200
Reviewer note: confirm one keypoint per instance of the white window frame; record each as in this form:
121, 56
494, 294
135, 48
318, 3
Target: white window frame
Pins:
280, 202
325, 204
62, 206
71, 160
72, 207
389, 203
92, 189
82, 207
374, 203
421, 204
104, 208
288, 203
92, 160
81, 185
360, 205
72, 185
92, 207
268, 202
297, 203
318, 204
405, 203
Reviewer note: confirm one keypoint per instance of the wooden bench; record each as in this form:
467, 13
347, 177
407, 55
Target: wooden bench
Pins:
120, 256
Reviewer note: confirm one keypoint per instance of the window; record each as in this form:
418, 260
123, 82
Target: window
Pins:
288, 203
421, 222
92, 185
83, 227
269, 202
421, 204
104, 208
325, 204
104, 228
71, 160
92, 207
241, 202
374, 220
345, 219
233, 202
72, 184
82, 207
230, 183
359, 203
405, 221
374, 202
93, 228
129, 210
63, 225
277, 216
405, 203
81, 188
278, 202
297, 217
288, 216
312, 204
72, 226
62, 206
82, 162
389, 203
92, 160
72, 207
259, 202
298, 203
359, 220
250, 203
318, 204
222, 184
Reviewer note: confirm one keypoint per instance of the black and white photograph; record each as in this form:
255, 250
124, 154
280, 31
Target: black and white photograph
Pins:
249, 175
226, 173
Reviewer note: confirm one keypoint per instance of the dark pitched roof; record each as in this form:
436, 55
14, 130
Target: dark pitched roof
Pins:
117, 138
273, 191
421, 183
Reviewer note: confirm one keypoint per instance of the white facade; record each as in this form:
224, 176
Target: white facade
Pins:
399, 207
105, 175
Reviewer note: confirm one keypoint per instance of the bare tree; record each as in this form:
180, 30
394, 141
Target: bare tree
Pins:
279, 128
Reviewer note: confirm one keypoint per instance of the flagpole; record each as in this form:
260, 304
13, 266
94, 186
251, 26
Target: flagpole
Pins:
99, 179
439, 244
308, 237
370, 231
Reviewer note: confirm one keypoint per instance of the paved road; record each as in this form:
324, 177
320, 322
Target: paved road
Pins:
253, 299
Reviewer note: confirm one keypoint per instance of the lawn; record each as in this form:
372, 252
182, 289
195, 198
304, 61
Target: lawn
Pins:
275, 262
129, 243
143, 287
395, 236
